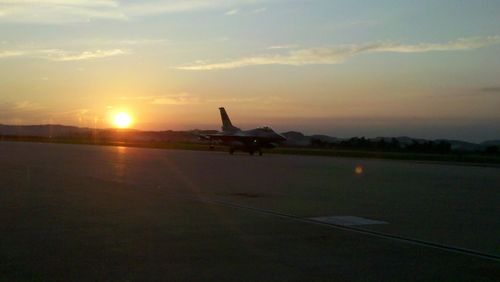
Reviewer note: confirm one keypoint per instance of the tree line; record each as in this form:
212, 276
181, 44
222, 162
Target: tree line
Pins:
385, 145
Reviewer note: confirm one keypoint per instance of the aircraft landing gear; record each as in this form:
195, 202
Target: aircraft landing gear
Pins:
260, 152
231, 151
251, 152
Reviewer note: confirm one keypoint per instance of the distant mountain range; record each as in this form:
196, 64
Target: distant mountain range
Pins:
299, 139
63, 131
294, 138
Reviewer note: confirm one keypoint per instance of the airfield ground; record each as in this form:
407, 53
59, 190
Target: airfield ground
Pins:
96, 213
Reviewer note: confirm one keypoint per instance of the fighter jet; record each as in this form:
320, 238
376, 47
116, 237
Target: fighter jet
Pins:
251, 141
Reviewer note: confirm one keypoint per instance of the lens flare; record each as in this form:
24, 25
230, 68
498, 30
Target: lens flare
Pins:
359, 169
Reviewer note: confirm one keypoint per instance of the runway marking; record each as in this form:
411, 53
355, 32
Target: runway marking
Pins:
347, 220
409, 240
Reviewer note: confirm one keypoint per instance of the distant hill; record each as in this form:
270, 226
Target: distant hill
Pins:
295, 138
326, 138
62, 131
403, 140
490, 143
462, 145
47, 130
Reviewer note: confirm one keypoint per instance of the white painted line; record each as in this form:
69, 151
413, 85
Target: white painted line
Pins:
348, 220
414, 241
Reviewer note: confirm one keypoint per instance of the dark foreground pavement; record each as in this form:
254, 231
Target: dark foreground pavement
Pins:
88, 213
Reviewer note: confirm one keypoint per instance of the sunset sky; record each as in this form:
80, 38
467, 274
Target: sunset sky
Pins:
426, 69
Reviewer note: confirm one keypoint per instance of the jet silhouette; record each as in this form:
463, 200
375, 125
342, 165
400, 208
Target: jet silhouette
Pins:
251, 141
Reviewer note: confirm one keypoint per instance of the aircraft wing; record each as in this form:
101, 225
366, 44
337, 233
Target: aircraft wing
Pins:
244, 140
237, 136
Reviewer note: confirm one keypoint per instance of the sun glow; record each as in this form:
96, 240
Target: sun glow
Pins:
122, 120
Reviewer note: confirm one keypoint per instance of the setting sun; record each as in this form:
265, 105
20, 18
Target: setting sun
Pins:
122, 120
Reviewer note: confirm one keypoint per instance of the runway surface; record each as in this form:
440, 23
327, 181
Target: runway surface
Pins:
73, 212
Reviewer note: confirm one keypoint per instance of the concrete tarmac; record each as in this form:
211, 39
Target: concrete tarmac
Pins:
80, 213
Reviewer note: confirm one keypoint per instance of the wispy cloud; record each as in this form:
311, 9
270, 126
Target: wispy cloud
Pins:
117, 42
32, 112
142, 41
183, 98
259, 100
232, 12
20, 111
179, 99
75, 112
26, 106
10, 53
286, 46
58, 11
259, 10
144, 8
71, 11
83, 3
63, 55
338, 54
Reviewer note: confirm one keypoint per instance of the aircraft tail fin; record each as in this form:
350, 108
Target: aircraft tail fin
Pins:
226, 122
